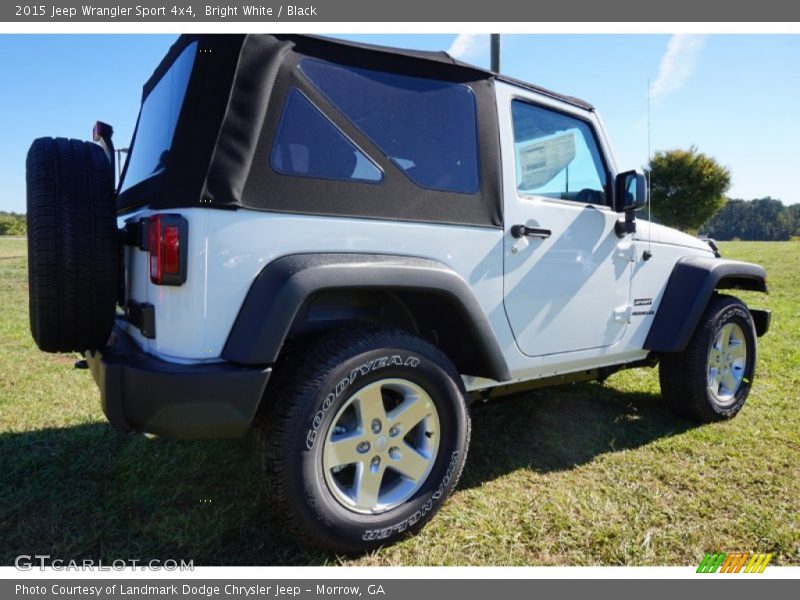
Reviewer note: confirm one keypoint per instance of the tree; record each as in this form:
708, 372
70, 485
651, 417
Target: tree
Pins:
12, 224
793, 210
686, 188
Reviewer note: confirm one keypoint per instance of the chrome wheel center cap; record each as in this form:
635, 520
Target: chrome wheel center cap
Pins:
381, 443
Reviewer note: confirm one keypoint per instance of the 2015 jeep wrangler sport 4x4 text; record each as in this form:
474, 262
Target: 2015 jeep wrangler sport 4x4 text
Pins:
338, 245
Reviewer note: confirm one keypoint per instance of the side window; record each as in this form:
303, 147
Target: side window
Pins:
308, 144
556, 155
426, 127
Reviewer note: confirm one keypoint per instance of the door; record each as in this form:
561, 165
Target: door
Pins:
566, 272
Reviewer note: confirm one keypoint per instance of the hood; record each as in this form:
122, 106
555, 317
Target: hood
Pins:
667, 235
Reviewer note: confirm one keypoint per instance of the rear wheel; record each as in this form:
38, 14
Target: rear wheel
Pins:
710, 380
364, 436
73, 254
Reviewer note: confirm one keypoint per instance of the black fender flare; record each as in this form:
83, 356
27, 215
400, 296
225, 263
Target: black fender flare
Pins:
690, 286
282, 287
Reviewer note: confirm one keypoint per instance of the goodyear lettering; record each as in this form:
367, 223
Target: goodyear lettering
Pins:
345, 384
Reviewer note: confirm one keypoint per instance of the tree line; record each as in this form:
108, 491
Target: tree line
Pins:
12, 223
761, 220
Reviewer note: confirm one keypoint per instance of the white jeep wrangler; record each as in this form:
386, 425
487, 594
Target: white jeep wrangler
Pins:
339, 245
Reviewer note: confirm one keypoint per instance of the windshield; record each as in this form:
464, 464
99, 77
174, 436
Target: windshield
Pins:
157, 121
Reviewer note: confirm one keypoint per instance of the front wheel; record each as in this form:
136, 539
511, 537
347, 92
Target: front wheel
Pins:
363, 436
710, 380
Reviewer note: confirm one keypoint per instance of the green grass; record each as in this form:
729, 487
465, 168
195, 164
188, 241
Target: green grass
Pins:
582, 475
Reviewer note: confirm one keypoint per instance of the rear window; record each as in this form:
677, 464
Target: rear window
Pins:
157, 120
427, 127
309, 145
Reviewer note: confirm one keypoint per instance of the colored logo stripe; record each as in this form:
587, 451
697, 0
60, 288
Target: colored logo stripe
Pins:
734, 562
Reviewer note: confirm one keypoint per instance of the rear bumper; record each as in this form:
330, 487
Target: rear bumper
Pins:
142, 393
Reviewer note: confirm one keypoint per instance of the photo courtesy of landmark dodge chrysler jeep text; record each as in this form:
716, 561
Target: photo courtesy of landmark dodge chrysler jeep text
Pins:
339, 245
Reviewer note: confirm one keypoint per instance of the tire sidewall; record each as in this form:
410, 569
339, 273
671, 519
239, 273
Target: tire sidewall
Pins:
733, 313
345, 528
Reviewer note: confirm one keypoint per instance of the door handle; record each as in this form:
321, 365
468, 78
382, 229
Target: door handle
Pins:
519, 231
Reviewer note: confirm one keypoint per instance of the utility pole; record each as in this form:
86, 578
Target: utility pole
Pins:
495, 46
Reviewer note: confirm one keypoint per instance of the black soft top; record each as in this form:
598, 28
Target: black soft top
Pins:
440, 57
232, 108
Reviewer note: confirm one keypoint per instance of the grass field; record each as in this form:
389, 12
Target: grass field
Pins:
583, 475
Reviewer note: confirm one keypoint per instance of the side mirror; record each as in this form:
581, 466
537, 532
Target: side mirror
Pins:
630, 194
630, 191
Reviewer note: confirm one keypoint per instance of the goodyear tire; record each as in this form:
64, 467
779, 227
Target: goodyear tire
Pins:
362, 436
710, 380
73, 255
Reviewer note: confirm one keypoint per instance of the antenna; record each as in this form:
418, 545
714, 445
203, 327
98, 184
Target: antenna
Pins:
649, 253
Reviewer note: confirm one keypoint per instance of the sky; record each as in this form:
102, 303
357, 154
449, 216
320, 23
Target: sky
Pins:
734, 97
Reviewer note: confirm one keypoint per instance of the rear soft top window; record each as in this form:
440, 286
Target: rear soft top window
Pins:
308, 144
426, 127
157, 121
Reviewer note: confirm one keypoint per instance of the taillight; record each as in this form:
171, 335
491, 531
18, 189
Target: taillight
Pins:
154, 235
167, 242
172, 251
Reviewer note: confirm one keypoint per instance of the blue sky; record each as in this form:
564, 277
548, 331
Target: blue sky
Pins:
733, 96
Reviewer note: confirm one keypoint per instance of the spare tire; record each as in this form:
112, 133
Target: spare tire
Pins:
73, 251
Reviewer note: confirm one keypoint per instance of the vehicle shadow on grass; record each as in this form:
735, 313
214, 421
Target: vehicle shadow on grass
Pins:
89, 492
560, 428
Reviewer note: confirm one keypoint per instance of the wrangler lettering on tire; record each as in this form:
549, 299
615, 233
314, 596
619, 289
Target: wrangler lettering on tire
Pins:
381, 534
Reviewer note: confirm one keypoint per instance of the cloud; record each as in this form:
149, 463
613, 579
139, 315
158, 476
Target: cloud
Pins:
470, 47
676, 66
